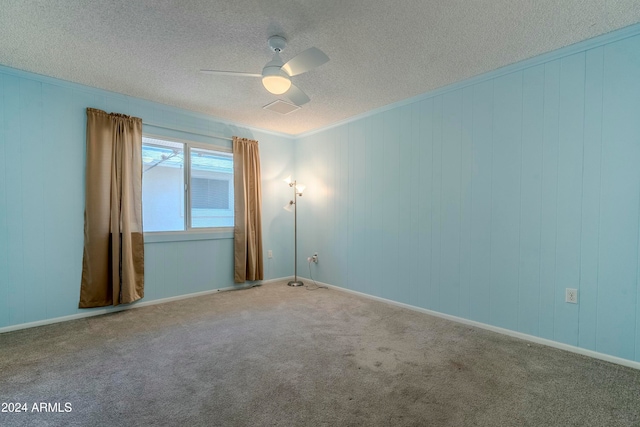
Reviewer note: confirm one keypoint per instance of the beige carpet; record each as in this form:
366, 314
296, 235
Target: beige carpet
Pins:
281, 356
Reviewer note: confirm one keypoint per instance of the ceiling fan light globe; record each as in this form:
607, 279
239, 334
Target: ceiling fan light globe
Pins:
275, 80
277, 85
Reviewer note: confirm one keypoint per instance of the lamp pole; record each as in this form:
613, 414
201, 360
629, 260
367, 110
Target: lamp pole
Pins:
296, 192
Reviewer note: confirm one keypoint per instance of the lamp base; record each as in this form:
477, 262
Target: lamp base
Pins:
295, 283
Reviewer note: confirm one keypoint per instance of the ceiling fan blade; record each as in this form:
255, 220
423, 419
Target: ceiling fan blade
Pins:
305, 61
297, 96
230, 73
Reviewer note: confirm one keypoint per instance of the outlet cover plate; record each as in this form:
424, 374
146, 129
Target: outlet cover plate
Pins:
571, 295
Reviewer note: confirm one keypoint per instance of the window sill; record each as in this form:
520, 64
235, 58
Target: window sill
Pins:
183, 236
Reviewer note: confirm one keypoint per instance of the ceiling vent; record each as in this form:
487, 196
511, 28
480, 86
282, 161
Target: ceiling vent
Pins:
282, 107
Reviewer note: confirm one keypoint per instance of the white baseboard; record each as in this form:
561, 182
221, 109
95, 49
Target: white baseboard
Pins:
104, 310
509, 332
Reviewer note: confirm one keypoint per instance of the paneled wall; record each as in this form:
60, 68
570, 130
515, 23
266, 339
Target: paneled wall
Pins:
488, 199
42, 161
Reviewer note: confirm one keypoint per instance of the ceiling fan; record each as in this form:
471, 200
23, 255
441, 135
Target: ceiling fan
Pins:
276, 75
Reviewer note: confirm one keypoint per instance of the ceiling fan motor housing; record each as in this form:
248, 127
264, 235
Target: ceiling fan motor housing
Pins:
274, 79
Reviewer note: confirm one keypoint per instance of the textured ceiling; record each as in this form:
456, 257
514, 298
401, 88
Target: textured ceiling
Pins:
381, 51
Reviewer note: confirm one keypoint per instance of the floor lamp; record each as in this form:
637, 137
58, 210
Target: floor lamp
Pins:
297, 192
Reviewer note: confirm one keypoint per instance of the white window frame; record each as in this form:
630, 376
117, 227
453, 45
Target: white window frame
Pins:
188, 230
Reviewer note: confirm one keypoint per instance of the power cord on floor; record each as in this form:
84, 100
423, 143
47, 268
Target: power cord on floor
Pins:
314, 282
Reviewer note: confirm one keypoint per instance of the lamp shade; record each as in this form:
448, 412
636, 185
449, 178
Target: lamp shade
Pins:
300, 188
287, 179
288, 207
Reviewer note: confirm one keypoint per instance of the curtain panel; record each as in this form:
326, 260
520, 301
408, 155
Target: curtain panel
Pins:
248, 263
113, 258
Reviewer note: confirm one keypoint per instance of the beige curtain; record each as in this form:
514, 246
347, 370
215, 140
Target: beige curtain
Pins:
113, 261
248, 211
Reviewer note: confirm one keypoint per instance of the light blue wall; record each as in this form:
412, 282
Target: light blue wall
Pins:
42, 152
487, 199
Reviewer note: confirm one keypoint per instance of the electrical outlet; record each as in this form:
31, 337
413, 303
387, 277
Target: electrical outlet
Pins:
315, 257
571, 296
269, 254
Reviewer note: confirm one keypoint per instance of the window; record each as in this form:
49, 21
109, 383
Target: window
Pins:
209, 193
168, 204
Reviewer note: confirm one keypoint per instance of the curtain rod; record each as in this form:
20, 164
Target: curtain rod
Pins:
186, 131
